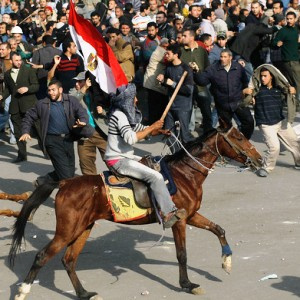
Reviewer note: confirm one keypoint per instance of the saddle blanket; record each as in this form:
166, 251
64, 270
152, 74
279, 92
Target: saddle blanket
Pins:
123, 204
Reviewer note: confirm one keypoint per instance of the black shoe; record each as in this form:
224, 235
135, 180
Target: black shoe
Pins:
19, 159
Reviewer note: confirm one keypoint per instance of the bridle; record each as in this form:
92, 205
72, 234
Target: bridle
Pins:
226, 135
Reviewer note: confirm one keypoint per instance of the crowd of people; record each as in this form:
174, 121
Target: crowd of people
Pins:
218, 44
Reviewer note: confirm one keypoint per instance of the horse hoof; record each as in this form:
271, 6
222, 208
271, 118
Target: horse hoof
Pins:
198, 291
226, 264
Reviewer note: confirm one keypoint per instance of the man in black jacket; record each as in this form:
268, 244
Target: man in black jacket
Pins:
59, 115
164, 29
228, 81
22, 84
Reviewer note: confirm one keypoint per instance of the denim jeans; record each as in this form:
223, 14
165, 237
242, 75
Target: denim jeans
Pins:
136, 170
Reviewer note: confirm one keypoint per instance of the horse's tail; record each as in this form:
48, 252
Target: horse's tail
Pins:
40, 195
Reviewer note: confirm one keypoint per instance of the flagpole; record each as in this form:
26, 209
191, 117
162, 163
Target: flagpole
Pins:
163, 116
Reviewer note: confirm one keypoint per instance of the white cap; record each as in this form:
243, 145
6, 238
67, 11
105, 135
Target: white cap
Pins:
16, 29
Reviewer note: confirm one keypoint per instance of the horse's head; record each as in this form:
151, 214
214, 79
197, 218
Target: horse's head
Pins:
233, 144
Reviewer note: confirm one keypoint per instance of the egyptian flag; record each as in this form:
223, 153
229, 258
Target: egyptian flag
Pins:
99, 58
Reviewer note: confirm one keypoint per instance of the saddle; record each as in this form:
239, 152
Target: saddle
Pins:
141, 192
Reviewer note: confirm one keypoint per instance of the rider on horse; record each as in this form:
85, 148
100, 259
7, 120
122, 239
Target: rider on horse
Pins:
125, 130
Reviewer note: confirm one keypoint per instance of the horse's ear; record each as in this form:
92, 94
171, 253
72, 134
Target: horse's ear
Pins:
223, 124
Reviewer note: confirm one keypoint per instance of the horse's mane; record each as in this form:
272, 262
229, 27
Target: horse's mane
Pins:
190, 146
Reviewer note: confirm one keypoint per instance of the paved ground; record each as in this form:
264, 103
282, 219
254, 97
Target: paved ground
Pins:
260, 215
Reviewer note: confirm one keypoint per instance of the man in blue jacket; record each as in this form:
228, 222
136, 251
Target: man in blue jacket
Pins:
59, 115
228, 80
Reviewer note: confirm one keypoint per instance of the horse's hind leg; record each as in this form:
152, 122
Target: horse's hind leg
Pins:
179, 233
43, 256
201, 222
70, 259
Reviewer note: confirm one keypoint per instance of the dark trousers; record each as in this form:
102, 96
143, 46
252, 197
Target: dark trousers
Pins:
61, 152
204, 103
157, 103
184, 118
17, 124
244, 116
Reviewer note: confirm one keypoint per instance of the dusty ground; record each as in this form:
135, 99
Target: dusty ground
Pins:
260, 215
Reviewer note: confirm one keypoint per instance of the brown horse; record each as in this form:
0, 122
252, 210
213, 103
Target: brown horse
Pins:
82, 200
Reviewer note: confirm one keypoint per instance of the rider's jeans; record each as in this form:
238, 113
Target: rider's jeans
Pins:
154, 179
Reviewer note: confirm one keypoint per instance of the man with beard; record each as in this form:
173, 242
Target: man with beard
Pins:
150, 43
22, 84
58, 114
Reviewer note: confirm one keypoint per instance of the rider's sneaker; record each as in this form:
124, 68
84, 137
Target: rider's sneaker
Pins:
172, 217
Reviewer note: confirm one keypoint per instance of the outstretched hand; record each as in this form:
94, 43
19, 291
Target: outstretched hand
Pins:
79, 124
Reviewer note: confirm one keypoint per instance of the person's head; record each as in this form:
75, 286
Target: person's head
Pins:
50, 26
95, 17
48, 11
195, 11
164, 43
179, 37
161, 17
206, 39
112, 4
162, 8
15, 5
277, 7
294, 4
173, 8
128, 8
279, 19
266, 77
69, 47
255, 8
152, 30
47, 40
63, 18
229, 3
125, 28
43, 3
16, 60
188, 36
113, 34
178, 24
118, 12
3, 28
234, 10
145, 8
244, 13
153, 5
208, 14
222, 39
14, 19
13, 44
80, 80
215, 4
42, 15
6, 18
173, 53
5, 50
291, 19
114, 22
55, 90
225, 57
17, 36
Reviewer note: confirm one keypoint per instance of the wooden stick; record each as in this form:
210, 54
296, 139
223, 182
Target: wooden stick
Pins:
29, 16
163, 116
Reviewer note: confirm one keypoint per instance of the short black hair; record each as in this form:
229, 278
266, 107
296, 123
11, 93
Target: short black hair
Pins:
191, 31
113, 30
12, 54
291, 13
95, 13
144, 6
175, 49
55, 82
128, 7
278, 1
50, 24
215, 4
48, 39
66, 44
152, 24
204, 37
206, 13
162, 13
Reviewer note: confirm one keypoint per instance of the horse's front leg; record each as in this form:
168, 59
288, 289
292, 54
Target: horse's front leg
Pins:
179, 233
201, 222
